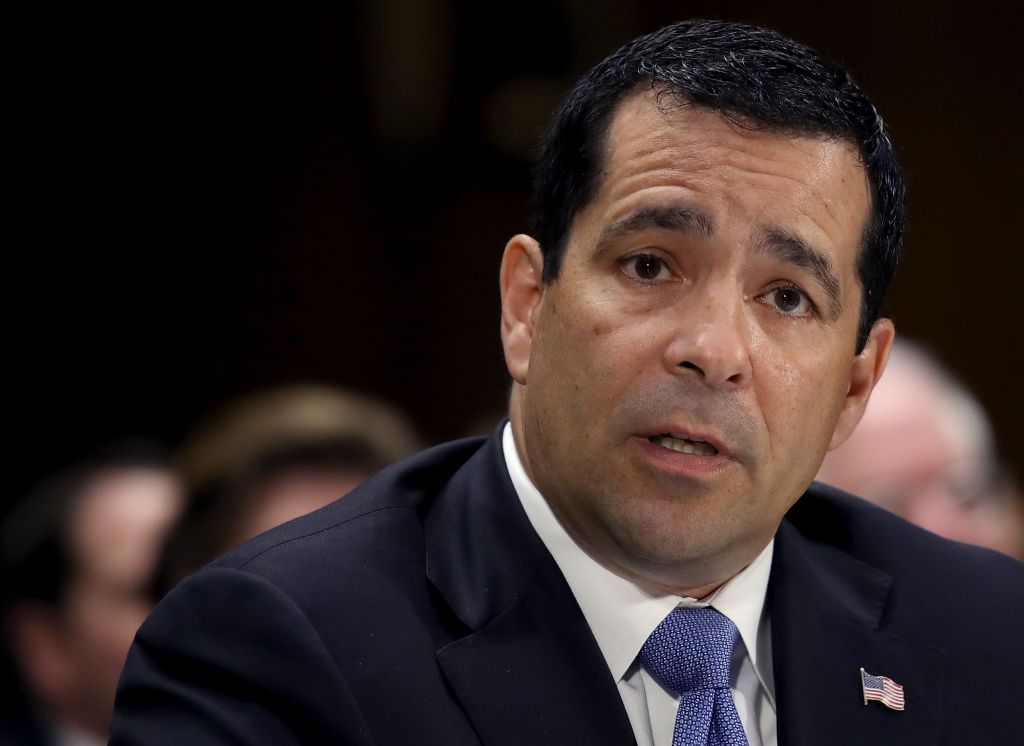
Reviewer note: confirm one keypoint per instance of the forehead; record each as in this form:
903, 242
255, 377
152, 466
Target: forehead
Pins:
659, 148
121, 519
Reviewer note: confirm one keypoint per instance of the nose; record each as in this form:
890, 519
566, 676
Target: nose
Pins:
711, 341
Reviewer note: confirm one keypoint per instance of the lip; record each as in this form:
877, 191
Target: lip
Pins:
689, 434
682, 464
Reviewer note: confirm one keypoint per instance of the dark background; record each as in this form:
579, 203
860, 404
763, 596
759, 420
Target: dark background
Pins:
213, 198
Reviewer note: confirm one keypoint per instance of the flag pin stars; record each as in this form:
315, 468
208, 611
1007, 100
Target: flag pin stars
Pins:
881, 689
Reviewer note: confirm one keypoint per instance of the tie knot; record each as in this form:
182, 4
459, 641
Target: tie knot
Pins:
691, 649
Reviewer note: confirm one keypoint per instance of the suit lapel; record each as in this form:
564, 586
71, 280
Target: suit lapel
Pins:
528, 670
533, 675
827, 612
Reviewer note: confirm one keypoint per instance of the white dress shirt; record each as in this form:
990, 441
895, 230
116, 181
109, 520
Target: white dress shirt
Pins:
622, 615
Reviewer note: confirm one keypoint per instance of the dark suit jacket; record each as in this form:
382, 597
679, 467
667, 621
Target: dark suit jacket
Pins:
423, 609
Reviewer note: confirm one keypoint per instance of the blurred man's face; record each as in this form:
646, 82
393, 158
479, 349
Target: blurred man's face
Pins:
116, 536
290, 494
679, 383
915, 454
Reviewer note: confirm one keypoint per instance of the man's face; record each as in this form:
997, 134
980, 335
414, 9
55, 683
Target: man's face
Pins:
920, 452
290, 494
72, 653
118, 528
678, 385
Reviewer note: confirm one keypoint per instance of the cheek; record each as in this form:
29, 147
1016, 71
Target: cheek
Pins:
801, 402
588, 348
785, 376
110, 625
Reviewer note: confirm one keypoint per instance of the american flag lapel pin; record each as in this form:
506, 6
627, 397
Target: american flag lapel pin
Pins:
881, 689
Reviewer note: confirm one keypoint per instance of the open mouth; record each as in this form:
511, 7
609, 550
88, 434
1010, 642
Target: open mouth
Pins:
683, 445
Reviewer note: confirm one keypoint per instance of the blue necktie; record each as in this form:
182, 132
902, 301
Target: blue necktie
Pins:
689, 654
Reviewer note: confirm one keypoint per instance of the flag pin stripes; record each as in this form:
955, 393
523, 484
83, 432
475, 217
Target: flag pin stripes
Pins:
881, 689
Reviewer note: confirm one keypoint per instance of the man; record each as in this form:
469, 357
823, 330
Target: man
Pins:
693, 325
77, 559
925, 450
271, 456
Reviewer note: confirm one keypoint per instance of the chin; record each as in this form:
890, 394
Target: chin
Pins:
669, 542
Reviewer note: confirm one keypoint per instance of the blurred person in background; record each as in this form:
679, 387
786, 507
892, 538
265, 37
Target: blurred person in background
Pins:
925, 450
78, 555
272, 456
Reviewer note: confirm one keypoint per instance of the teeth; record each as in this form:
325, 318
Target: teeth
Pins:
683, 445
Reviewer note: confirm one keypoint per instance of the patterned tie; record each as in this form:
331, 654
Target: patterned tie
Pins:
689, 654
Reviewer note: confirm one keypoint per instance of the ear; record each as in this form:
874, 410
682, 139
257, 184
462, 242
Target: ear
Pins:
865, 371
521, 291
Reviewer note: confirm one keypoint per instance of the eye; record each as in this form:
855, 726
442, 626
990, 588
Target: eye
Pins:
645, 268
788, 300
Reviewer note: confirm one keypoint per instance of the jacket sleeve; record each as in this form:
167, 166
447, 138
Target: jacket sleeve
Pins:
228, 658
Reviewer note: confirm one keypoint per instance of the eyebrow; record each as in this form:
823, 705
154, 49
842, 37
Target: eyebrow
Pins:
787, 247
671, 218
791, 249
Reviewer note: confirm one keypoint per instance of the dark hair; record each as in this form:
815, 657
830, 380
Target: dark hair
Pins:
752, 74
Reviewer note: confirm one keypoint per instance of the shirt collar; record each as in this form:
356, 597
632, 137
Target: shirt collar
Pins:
621, 614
